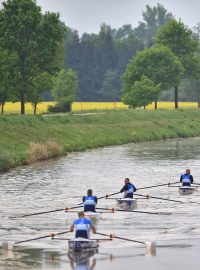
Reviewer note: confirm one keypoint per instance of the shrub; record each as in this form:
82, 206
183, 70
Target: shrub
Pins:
54, 149
60, 107
38, 151
43, 151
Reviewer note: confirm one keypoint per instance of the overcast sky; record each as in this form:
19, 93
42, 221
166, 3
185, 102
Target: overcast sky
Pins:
87, 15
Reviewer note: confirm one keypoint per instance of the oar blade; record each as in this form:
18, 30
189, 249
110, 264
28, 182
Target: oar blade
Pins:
150, 248
7, 245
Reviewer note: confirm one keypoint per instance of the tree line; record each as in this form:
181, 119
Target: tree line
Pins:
40, 57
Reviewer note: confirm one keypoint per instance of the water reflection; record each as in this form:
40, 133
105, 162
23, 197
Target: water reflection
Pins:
82, 261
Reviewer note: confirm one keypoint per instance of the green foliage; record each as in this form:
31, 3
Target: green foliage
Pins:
40, 84
6, 74
142, 93
153, 19
64, 90
110, 89
93, 57
34, 40
180, 39
158, 64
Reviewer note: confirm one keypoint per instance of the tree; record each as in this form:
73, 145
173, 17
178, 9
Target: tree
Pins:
153, 19
34, 39
64, 90
110, 90
176, 36
7, 72
40, 84
158, 64
141, 93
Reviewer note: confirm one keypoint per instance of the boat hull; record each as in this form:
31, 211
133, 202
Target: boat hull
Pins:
127, 203
82, 245
185, 190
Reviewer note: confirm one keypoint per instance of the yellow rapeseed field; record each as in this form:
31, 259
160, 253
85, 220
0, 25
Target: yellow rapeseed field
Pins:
87, 106
15, 107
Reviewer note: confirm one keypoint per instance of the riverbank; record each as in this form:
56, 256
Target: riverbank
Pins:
22, 135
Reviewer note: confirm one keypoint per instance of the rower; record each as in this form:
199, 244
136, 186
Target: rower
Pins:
89, 202
82, 226
128, 188
186, 179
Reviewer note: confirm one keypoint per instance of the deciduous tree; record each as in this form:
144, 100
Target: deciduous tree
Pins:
34, 38
158, 64
179, 38
141, 93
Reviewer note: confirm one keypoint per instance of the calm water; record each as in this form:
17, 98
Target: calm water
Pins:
61, 183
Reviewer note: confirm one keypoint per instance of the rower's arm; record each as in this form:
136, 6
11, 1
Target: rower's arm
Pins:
93, 229
191, 179
181, 178
125, 187
72, 228
83, 198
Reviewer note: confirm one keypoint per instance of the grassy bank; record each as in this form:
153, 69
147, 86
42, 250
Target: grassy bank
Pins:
21, 136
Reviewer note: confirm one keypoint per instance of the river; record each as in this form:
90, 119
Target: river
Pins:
61, 182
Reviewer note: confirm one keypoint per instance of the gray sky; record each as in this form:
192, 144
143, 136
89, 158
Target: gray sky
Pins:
87, 15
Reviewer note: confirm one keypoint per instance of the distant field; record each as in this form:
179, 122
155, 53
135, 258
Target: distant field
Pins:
87, 106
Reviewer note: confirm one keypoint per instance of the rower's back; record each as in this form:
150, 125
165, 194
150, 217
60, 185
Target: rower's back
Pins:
89, 202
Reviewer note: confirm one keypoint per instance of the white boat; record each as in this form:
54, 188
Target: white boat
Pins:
93, 216
82, 245
186, 190
127, 203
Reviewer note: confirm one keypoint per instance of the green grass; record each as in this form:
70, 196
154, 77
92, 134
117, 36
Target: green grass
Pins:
78, 132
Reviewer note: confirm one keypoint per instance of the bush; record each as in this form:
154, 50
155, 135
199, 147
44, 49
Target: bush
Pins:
44, 151
60, 107
54, 149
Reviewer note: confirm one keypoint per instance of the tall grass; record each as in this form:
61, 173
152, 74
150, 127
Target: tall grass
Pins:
43, 151
6, 162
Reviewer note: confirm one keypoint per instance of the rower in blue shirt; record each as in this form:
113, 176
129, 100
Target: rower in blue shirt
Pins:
186, 179
128, 188
82, 226
89, 202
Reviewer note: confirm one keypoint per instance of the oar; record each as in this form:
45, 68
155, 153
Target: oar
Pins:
97, 212
96, 239
124, 198
158, 198
150, 246
60, 209
194, 186
109, 195
134, 211
9, 245
46, 212
105, 196
159, 185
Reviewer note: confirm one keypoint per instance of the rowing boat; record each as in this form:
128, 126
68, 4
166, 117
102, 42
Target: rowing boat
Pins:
127, 203
93, 216
186, 190
82, 245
